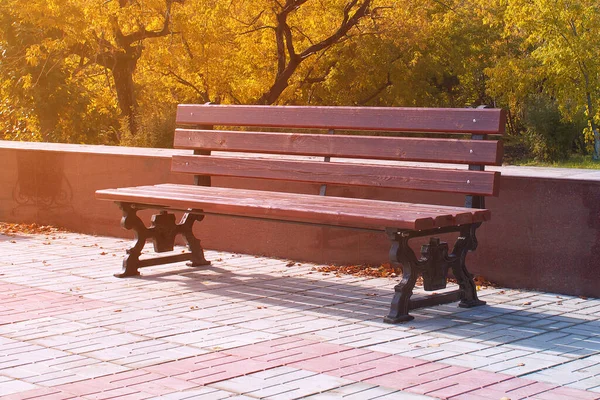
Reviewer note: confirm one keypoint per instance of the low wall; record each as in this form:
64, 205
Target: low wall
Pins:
544, 233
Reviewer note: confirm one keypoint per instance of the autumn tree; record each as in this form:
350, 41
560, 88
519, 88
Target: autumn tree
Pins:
90, 34
560, 41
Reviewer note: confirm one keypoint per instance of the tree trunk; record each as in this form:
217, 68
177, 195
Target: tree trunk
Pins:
593, 126
591, 114
281, 83
122, 72
596, 155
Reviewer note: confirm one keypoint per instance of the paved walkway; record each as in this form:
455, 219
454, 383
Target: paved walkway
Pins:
249, 327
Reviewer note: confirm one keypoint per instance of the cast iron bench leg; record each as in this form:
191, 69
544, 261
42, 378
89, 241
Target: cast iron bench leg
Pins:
401, 253
162, 233
131, 221
193, 243
466, 242
433, 266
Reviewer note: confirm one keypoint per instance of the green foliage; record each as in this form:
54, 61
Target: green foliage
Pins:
550, 138
155, 129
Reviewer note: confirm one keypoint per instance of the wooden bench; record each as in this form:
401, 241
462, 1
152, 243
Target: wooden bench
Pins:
274, 130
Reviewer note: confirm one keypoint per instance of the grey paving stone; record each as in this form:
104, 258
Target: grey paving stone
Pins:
173, 313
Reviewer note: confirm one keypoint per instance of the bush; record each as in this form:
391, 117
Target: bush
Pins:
155, 128
547, 135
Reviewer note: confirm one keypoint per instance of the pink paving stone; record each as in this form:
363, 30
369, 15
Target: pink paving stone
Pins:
400, 363
192, 364
479, 379
414, 376
41, 393
431, 387
122, 394
367, 356
286, 342
511, 384
284, 357
85, 387
384, 366
466, 382
215, 377
484, 394
151, 387
567, 393
227, 371
450, 391
172, 368
440, 373
250, 351
176, 384
329, 362
394, 380
529, 390
129, 379
320, 349
205, 361
367, 372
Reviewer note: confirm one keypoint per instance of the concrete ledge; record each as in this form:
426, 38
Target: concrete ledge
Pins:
544, 233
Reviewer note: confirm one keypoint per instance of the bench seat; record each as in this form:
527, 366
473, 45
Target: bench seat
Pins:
303, 208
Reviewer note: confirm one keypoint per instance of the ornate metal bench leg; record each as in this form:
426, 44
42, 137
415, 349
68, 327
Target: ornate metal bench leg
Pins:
466, 242
186, 224
130, 220
162, 232
401, 253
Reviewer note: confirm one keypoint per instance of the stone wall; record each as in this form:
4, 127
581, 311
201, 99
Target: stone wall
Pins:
544, 233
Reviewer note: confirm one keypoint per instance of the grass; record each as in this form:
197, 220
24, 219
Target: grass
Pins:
574, 161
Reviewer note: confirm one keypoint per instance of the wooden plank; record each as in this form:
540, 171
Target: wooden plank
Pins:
478, 152
291, 206
352, 174
400, 119
460, 215
257, 207
442, 215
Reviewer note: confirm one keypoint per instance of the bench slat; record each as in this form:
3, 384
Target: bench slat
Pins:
446, 215
385, 176
482, 152
293, 207
401, 119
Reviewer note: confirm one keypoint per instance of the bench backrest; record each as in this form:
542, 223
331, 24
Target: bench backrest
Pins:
350, 149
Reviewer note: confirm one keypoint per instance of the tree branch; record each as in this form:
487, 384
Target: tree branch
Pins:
202, 93
127, 40
377, 92
347, 23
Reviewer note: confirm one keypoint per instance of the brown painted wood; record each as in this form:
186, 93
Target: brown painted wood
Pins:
289, 206
353, 174
479, 152
400, 119
446, 215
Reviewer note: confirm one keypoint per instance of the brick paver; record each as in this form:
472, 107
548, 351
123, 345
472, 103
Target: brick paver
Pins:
250, 327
